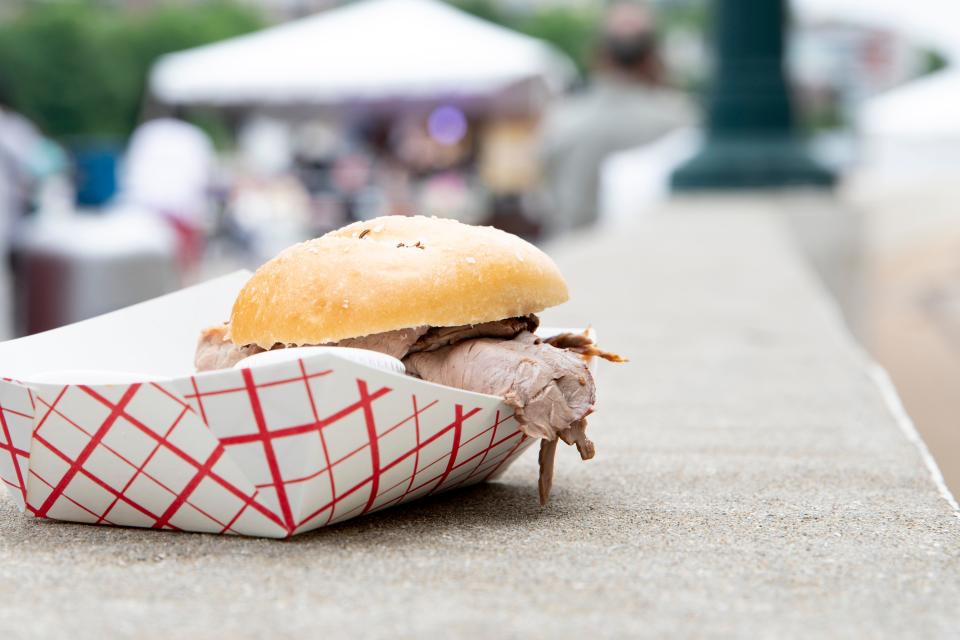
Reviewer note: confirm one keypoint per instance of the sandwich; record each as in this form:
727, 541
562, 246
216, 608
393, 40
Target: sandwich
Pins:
455, 303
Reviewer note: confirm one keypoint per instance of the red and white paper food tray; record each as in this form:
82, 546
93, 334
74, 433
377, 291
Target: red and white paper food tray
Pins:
269, 451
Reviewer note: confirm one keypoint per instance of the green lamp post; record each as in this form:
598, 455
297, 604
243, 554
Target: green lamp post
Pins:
751, 140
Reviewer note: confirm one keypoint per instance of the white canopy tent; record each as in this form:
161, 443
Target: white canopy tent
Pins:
369, 51
914, 128
928, 107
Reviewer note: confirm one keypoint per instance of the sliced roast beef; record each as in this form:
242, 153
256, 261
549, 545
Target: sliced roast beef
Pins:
393, 343
215, 351
549, 388
546, 458
547, 383
439, 337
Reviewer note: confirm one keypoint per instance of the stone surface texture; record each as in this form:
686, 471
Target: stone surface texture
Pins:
750, 481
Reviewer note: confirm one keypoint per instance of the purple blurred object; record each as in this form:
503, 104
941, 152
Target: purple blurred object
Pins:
447, 125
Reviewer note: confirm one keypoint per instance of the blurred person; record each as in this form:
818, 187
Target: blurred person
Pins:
269, 203
18, 141
316, 145
451, 194
266, 147
508, 162
26, 156
169, 171
271, 212
509, 169
626, 105
397, 185
635, 182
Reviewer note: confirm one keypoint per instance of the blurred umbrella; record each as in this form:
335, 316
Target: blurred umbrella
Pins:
369, 51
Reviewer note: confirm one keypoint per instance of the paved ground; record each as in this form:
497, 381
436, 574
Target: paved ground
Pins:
912, 297
750, 481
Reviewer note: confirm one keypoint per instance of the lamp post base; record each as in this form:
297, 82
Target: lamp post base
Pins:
754, 162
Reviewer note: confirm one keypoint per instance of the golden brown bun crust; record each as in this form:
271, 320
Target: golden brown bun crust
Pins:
343, 285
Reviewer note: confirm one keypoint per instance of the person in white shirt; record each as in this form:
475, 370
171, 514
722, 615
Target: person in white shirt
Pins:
168, 171
20, 145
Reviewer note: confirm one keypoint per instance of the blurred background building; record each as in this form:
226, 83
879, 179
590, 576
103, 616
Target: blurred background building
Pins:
148, 144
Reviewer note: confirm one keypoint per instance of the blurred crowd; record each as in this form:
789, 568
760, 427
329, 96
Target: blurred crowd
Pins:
199, 188
170, 203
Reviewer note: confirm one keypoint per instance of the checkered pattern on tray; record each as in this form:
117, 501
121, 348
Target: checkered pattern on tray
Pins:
16, 427
271, 451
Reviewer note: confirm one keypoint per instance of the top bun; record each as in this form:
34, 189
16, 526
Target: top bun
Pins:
390, 273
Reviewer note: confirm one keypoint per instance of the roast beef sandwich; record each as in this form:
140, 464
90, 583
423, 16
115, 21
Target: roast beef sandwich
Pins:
456, 303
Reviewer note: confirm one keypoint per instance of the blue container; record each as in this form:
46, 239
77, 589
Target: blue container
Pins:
96, 171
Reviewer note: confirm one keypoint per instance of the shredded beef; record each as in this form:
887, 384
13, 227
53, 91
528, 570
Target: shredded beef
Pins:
546, 382
215, 351
551, 390
546, 458
582, 344
439, 337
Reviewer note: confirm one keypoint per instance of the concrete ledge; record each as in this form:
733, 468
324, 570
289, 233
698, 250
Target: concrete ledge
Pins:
750, 480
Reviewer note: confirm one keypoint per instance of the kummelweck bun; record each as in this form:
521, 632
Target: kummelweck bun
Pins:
392, 273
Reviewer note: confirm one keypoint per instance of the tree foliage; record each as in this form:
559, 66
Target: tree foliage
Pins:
571, 29
80, 68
